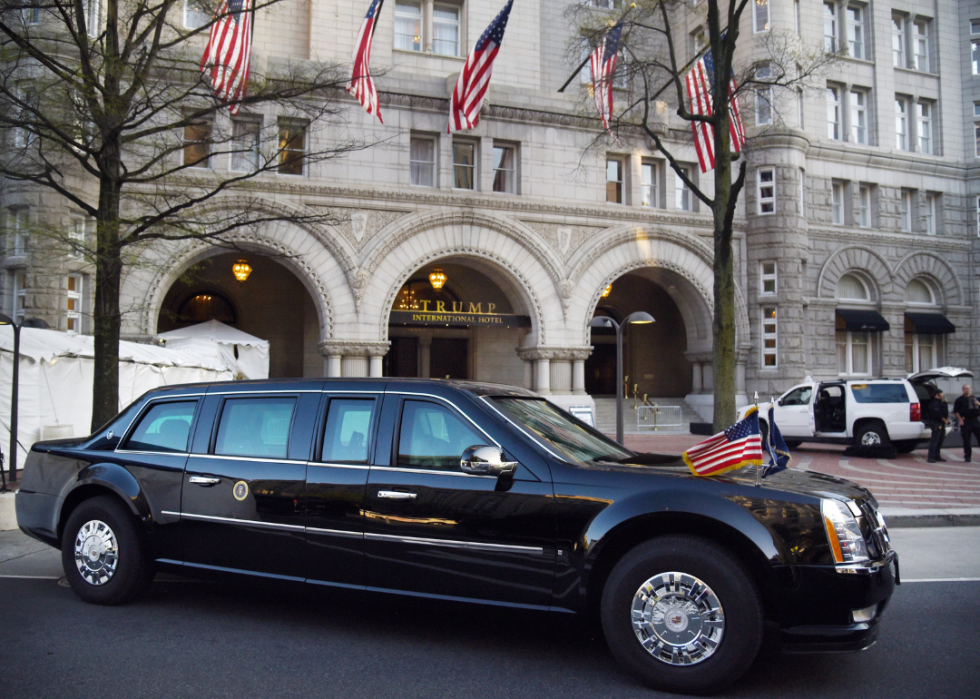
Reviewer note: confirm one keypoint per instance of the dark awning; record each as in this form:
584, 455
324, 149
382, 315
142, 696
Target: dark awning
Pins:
863, 321
931, 323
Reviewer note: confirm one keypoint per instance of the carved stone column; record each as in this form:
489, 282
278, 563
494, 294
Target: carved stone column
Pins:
701, 373
355, 359
557, 370
425, 355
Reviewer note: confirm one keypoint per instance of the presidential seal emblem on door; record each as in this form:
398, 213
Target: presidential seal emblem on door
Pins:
240, 490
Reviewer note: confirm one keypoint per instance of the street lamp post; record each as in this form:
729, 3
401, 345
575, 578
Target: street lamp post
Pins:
15, 384
638, 318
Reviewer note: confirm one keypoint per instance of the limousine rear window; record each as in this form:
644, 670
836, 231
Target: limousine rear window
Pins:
575, 440
255, 427
164, 427
348, 430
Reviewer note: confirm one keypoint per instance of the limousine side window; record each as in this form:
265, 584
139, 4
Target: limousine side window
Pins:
255, 427
349, 423
164, 427
432, 436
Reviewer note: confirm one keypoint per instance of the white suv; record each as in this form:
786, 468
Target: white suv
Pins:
867, 412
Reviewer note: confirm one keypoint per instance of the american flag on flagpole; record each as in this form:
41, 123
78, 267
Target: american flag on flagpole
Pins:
360, 85
229, 51
699, 82
603, 64
471, 88
740, 445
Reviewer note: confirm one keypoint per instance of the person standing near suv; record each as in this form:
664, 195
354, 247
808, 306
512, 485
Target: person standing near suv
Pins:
967, 411
937, 416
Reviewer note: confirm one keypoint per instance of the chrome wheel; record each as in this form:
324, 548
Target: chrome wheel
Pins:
96, 552
677, 618
871, 439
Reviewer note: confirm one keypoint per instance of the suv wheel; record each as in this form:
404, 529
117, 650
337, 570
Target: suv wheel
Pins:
872, 435
102, 552
682, 615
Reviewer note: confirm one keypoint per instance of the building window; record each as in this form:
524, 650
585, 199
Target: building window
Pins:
920, 44
800, 107
20, 296
767, 273
898, 41
422, 159
769, 350
292, 147
853, 353
93, 17
837, 203
445, 30
978, 217
920, 350
833, 113
905, 211
855, 31
919, 292
830, 27
976, 128
245, 145
864, 206
74, 303
504, 169
408, 25
975, 46
606, 4
923, 118
932, 210
464, 165
30, 13
614, 181
197, 144
796, 18
650, 194
901, 124
802, 192
25, 136
18, 230
859, 116
682, 195
767, 191
195, 14
76, 237
698, 42
760, 10
763, 97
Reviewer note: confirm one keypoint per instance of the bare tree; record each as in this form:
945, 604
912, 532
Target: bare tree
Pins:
652, 69
114, 115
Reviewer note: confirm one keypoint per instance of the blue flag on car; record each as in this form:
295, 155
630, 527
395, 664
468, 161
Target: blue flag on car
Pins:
776, 448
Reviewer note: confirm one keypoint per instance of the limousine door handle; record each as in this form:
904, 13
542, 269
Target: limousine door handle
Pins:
396, 495
204, 480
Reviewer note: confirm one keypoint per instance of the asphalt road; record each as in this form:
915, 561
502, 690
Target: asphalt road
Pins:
192, 639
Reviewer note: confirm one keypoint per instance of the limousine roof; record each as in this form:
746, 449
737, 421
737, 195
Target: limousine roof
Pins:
389, 384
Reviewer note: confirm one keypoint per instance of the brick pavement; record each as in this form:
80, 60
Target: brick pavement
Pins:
901, 484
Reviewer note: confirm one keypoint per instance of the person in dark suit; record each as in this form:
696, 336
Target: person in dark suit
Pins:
937, 417
966, 409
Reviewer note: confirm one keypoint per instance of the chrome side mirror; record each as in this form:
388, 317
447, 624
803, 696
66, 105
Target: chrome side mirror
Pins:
485, 460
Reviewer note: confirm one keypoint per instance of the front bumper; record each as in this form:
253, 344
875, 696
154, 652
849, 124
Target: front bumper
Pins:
818, 606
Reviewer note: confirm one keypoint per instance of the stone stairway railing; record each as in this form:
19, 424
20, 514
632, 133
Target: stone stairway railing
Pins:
606, 416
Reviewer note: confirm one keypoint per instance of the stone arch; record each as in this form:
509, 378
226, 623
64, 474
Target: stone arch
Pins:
680, 261
940, 275
529, 277
146, 285
855, 258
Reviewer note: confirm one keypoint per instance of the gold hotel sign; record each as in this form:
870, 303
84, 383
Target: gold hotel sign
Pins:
459, 314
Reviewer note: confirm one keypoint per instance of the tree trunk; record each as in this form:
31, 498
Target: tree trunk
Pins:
108, 278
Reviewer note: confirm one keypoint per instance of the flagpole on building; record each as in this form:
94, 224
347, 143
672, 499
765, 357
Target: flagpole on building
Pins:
582, 64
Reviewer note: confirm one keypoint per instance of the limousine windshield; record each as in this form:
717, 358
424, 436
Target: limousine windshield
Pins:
577, 441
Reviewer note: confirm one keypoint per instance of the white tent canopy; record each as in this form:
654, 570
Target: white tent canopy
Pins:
247, 354
56, 372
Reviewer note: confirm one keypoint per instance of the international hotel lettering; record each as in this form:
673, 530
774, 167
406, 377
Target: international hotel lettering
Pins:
457, 314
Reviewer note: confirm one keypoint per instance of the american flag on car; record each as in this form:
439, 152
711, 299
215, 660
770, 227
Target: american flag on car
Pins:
740, 445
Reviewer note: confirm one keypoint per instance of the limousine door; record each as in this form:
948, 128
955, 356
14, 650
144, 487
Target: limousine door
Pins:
431, 529
243, 505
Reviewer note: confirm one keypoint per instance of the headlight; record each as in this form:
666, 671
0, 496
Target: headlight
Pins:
843, 532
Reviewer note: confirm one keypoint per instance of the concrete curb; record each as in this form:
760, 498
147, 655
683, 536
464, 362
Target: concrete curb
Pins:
8, 515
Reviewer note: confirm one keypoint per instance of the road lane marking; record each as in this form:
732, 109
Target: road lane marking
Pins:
31, 577
923, 580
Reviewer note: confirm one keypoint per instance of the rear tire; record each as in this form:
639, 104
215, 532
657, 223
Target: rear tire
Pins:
872, 434
682, 614
102, 552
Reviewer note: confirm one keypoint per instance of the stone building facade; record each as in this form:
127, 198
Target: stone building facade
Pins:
856, 238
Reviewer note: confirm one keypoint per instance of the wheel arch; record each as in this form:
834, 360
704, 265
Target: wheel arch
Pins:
635, 531
862, 422
104, 479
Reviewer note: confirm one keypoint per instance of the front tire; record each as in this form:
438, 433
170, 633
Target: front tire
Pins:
102, 552
682, 614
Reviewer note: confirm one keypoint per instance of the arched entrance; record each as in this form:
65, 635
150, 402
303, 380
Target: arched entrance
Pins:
457, 317
653, 354
272, 304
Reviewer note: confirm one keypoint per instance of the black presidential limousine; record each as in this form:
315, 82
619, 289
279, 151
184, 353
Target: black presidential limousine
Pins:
466, 492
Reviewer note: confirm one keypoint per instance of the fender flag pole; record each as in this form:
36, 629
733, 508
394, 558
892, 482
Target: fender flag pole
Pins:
471, 88
228, 55
361, 85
